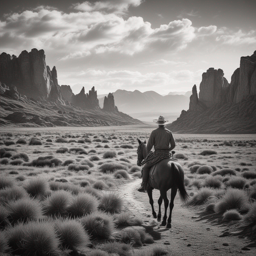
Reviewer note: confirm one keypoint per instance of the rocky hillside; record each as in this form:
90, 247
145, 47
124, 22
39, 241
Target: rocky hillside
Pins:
221, 107
31, 96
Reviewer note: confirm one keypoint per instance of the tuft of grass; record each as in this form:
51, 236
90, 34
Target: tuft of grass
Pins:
99, 225
8, 142
134, 169
4, 161
249, 174
80, 151
3, 243
250, 217
71, 234
197, 184
208, 152
252, 193
37, 187
21, 141
224, 172
130, 236
68, 162
61, 140
194, 168
57, 204
205, 169
180, 156
16, 162
97, 252
126, 146
116, 248
233, 199
87, 162
4, 222
94, 192
24, 210
34, 238
111, 203
101, 185
231, 215
201, 197
22, 156
12, 194
111, 167
94, 158
109, 154
124, 219
122, 174
236, 182
35, 142
5, 182
212, 182
81, 205
62, 150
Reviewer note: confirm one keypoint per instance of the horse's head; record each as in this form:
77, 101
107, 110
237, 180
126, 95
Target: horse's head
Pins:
141, 152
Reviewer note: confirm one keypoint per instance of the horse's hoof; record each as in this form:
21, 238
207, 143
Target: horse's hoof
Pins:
158, 219
163, 223
154, 215
169, 225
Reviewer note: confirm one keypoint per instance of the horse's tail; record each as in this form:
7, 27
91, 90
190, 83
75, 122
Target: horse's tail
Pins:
180, 182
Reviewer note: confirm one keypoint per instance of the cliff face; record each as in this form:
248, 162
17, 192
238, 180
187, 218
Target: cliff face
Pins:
222, 107
30, 74
109, 103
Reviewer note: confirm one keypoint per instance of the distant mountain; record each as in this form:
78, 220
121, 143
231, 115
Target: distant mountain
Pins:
221, 107
134, 102
187, 94
31, 96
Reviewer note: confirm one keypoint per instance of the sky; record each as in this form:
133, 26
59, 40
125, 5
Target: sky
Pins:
145, 45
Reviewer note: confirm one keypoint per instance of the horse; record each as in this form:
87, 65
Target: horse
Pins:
163, 176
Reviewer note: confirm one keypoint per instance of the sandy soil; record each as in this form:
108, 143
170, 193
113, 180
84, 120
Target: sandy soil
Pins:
188, 235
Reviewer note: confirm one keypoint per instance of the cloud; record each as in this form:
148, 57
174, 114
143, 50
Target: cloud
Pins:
239, 37
108, 5
207, 30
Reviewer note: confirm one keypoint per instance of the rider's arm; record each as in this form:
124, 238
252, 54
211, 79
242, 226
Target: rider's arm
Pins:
150, 142
172, 142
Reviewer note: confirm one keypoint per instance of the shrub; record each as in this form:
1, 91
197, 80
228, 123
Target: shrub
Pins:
8, 142
249, 174
134, 169
180, 156
16, 162
97, 252
224, 172
205, 169
22, 156
201, 197
34, 238
99, 225
82, 204
78, 151
4, 222
4, 161
37, 187
71, 234
23, 210
68, 162
250, 217
194, 168
130, 236
208, 152
111, 167
231, 215
62, 150
5, 182
56, 205
12, 194
94, 158
94, 192
101, 185
212, 182
87, 162
46, 161
116, 248
21, 141
35, 142
126, 146
233, 199
61, 140
3, 243
252, 193
111, 203
197, 184
109, 154
236, 182
121, 174
124, 219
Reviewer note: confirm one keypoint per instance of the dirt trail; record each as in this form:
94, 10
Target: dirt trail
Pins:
187, 235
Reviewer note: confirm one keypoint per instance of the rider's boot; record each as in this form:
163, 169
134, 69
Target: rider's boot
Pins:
142, 188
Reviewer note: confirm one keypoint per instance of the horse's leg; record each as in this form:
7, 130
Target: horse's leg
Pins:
151, 201
159, 209
173, 194
166, 202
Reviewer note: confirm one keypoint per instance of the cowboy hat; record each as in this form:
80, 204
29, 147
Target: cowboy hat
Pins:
160, 120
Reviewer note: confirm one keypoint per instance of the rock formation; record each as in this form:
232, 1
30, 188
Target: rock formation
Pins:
66, 92
222, 107
109, 103
30, 74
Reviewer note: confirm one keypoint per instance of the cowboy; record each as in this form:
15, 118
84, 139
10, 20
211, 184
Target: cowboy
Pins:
163, 142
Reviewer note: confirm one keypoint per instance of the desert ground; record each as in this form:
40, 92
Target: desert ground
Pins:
73, 191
